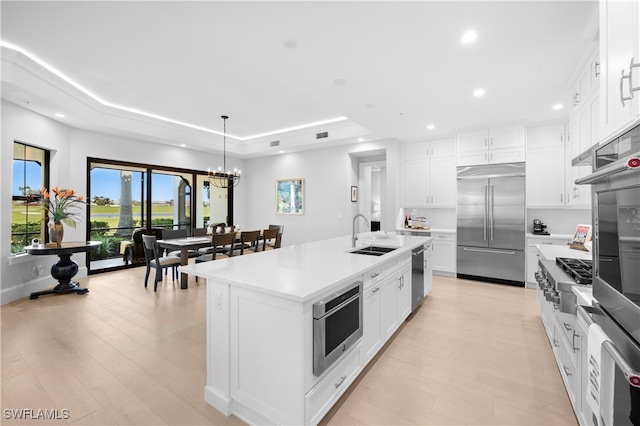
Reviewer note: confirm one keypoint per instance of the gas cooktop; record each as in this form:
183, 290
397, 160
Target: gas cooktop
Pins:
580, 270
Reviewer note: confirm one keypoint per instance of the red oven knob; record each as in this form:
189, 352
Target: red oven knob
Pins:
635, 381
633, 162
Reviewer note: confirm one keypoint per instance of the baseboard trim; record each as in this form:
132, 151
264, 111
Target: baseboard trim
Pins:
18, 291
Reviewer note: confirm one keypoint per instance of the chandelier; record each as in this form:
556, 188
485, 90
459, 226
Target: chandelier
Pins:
223, 178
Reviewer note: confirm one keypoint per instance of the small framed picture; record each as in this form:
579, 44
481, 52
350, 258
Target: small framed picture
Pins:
290, 196
354, 194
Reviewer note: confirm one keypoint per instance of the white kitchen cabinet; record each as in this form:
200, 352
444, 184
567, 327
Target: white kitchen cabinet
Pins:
430, 174
550, 175
371, 316
491, 146
395, 303
428, 269
403, 300
584, 130
444, 253
533, 255
320, 399
546, 177
619, 57
389, 314
546, 135
583, 411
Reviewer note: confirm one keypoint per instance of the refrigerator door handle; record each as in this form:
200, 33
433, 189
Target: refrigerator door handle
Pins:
486, 207
489, 251
491, 191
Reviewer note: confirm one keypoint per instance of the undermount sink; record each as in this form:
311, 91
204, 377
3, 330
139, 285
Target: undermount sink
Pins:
373, 250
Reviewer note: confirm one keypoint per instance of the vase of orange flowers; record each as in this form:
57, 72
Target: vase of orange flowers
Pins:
63, 206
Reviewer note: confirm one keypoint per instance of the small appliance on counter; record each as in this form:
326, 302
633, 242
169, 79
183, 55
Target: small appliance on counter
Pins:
539, 228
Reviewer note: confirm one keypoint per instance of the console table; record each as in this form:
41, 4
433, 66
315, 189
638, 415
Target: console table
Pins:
65, 268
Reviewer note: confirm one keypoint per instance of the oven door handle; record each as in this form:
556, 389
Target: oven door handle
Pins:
631, 163
340, 306
633, 377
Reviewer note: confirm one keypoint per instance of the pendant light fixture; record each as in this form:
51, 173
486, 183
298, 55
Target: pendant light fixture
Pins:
223, 178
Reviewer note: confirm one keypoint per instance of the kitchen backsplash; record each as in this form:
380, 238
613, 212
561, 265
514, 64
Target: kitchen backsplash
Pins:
559, 221
437, 218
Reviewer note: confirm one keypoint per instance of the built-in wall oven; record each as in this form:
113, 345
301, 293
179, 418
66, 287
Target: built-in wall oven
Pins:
337, 325
615, 188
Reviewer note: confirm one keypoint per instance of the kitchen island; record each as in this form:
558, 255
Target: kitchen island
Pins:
260, 323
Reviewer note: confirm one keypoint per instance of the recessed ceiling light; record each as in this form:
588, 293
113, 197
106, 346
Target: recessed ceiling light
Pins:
557, 107
468, 37
282, 152
478, 92
360, 139
59, 114
183, 145
431, 127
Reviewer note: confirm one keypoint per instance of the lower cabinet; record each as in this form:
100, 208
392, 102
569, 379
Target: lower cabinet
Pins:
326, 392
444, 253
386, 304
372, 317
533, 254
428, 269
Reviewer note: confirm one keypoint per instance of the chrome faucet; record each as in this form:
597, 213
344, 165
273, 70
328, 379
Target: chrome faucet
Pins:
354, 237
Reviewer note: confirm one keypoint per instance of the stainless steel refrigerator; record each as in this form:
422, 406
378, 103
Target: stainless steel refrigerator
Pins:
491, 223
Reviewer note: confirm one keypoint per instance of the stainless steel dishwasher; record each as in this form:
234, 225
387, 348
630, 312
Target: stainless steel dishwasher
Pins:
417, 276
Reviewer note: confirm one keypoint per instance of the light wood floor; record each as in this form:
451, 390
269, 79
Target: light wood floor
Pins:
473, 354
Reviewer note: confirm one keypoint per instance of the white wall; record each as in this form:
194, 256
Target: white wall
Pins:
329, 174
70, 148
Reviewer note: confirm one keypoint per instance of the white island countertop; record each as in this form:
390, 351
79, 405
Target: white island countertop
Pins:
303, 272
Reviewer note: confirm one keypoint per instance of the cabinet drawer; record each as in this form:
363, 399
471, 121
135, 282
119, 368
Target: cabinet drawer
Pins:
567, 325
322, 396
371, 276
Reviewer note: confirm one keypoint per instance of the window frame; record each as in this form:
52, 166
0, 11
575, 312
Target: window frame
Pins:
149, 170
45, 175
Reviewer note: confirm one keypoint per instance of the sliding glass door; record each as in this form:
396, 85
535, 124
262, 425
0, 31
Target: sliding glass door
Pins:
128, 199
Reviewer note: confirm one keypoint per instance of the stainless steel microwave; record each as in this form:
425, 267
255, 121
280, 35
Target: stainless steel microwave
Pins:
337, 326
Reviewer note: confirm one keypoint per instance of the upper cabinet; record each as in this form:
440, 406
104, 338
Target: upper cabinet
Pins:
620, 64
491, 146
430, 173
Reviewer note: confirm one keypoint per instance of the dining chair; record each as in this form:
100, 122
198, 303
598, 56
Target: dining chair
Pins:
218, 228
249, 242
280, 228
154, 260
222, 247
269, 239
199, 232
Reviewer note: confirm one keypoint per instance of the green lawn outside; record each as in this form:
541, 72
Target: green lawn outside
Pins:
109, 214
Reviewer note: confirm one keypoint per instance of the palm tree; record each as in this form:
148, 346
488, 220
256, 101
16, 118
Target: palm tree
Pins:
126, 210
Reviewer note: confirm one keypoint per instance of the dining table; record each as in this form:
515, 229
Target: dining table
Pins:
184, 245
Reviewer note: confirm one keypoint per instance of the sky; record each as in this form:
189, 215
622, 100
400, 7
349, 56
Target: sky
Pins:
106, 183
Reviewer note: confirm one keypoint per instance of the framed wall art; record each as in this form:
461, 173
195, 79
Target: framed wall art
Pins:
290, 196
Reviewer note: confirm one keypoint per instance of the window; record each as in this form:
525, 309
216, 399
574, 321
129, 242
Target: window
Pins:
30, 173
125, 197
